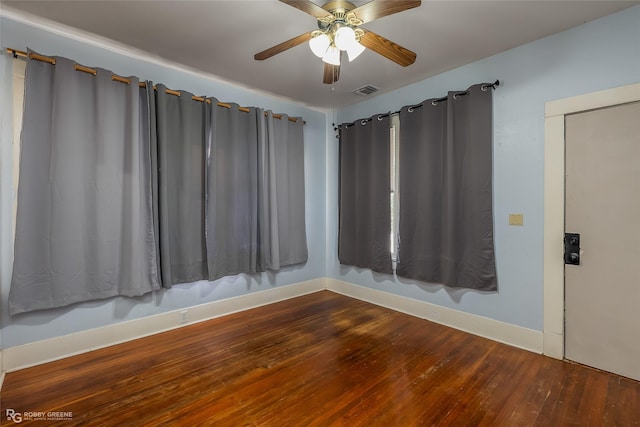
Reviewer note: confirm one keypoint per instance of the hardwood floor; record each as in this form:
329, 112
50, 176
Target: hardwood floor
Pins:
318, 360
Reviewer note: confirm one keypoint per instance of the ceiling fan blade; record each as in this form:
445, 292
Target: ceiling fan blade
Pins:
307, 7
331, 73
268, 53
377, 9
387, 48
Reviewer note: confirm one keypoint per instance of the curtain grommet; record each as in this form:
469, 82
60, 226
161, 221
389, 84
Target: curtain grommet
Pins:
363, 122
410, 109
380, 118
434, 103
484, 88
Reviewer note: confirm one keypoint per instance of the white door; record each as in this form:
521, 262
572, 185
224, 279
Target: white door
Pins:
602, 198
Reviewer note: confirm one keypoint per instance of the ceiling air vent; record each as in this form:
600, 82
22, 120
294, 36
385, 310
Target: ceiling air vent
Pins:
366, 90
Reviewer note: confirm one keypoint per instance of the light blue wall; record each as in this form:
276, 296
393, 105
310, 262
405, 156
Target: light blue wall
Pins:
50, 323
601, 54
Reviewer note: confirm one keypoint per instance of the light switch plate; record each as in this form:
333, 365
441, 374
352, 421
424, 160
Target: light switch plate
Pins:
516, 219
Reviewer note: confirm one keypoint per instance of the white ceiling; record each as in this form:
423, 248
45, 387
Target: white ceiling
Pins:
221, 37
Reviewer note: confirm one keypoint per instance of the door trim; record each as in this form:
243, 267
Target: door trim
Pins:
554, 199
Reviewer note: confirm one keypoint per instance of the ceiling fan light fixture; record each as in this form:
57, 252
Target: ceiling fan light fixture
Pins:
332, 56
355, 50
319, 45
345, 38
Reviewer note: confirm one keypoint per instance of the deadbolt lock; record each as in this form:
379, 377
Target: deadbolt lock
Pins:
572, 248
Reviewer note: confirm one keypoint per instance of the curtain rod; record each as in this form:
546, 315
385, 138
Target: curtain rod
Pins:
413, 107
434, 102
16, 53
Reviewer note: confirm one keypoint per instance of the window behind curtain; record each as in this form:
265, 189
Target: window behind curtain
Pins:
394, 183
19, 67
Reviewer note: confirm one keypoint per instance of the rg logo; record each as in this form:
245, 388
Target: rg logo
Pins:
14, 416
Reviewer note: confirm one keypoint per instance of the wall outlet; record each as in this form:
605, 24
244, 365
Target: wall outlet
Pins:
183, 316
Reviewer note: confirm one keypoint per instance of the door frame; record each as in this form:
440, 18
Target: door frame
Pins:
554, 200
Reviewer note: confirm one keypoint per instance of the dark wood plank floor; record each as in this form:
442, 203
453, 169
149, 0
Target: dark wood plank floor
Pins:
320, 360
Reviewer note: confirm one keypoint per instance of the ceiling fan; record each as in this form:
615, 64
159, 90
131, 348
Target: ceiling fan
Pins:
339, 32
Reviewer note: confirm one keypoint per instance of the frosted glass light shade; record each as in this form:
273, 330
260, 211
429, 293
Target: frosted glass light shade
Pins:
319, 45
345, 38
332, 56
355, 50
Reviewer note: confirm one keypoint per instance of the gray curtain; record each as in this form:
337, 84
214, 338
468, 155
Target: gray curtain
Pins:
232, 191
446, 214
84, 223
255, 192
281, 219
181, 148
365, 218
124, 190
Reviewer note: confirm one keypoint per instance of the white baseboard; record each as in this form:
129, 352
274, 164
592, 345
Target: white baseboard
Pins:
31, 354
516, 336
26, 355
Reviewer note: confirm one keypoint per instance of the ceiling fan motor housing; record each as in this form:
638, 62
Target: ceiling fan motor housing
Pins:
338, 6
339, 15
